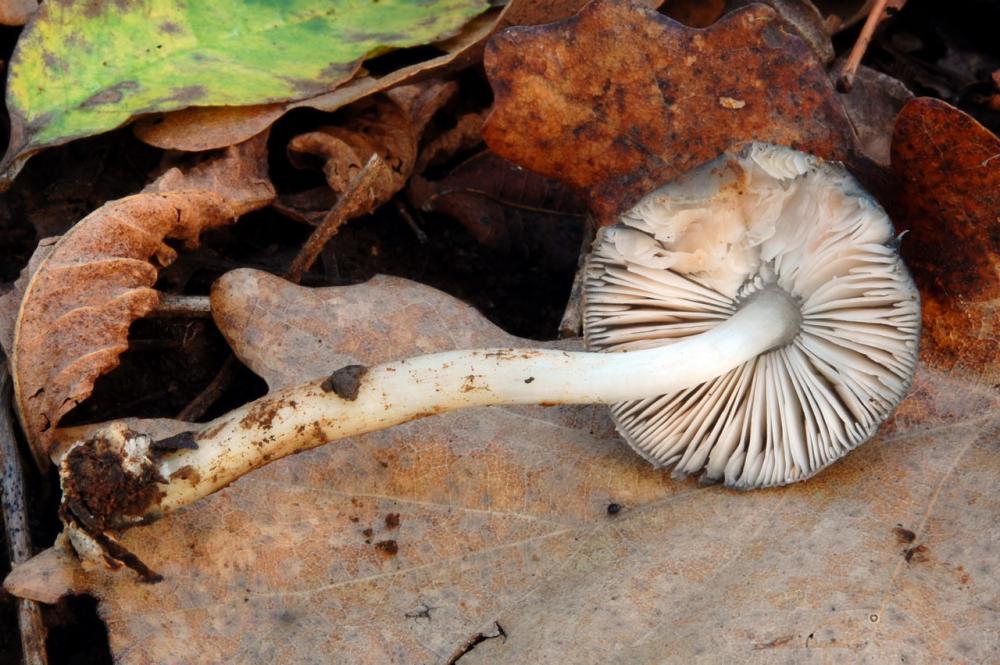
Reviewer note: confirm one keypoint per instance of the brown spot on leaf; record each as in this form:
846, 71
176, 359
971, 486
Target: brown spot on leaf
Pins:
111, 95
775, 643
392, 521
388, 548
904, 535
917, 554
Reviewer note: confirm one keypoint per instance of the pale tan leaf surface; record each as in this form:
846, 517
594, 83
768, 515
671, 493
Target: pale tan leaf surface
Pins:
78, 305
404, 545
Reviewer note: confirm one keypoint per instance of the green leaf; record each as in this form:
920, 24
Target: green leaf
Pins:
83, 67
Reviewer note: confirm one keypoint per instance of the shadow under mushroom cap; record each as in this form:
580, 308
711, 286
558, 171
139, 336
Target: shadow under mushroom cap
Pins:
687, 257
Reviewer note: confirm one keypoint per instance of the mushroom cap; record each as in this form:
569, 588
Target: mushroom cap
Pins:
689, 254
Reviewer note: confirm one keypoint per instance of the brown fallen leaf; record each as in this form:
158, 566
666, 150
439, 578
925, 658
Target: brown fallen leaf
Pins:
872, 105
619, 99
465, 135
78, 305
17, 12
404, 545
389, 125
946, 169
507, 207
10, 301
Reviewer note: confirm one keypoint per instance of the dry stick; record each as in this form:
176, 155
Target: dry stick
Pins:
171, 306
877, 14
355, 201
404, 212
204, 400
29, 614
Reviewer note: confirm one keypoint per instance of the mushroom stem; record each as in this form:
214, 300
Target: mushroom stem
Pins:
355, 400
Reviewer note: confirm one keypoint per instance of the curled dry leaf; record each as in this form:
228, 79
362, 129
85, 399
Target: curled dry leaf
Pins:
78, 305
507, 207
946, 171
389, 125
403, 545
619, 99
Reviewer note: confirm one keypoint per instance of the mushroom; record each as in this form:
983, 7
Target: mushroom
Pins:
753, 319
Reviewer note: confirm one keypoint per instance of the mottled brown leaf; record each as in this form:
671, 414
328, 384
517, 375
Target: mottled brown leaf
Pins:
78, 305
946, 168
507, 207
619, 99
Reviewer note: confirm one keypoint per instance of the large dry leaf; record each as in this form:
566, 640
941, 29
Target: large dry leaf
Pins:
78, 305
414, 544
619, 99
946, 168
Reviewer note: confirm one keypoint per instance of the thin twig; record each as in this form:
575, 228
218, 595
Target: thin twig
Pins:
355, 200
200, 405
15, 520
879, 12
172, 305
404, 212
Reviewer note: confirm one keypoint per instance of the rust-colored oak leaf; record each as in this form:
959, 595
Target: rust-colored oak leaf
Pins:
78, 305
946, 172
619, 99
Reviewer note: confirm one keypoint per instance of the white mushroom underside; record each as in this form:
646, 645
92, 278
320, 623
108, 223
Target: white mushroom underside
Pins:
696, 249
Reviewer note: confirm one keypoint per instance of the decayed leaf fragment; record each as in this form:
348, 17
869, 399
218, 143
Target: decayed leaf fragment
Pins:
78, 305
946, 171
505, 515
388, 125
619, 99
